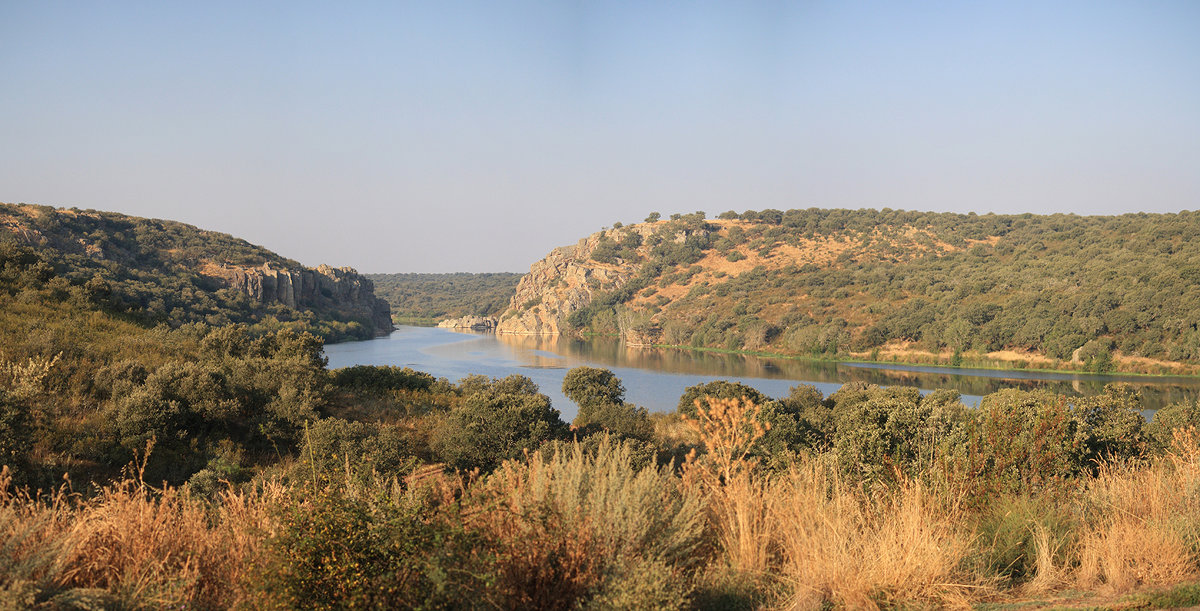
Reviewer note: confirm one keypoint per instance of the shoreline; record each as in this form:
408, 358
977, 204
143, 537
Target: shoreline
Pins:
940, 366
970, 364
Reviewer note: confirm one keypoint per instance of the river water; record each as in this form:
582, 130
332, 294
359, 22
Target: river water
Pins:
656, 377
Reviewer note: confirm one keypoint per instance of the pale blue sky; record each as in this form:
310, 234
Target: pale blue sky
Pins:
475, 136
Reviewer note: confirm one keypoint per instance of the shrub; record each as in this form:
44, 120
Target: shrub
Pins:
335, 552
1179, 415
1018, 442
498, 419
576, 529
381, 378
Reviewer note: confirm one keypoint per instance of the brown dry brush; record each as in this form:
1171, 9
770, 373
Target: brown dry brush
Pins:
1143, 522
129, 545
826, 542
586, 528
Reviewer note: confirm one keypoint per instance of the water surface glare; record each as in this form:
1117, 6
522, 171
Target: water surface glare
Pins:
656, 377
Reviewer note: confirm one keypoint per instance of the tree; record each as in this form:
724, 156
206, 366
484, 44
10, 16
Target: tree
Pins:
719, 389
592, 387
653, 218
497, 420
601, 400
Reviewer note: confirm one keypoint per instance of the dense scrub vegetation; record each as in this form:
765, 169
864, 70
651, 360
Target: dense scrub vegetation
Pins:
1067, 291
148, 270
435, 297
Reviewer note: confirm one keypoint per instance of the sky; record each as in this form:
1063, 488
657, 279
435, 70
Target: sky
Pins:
476, 136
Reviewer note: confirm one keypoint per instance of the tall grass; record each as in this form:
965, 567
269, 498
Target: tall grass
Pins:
130, 546
826, 541
1143, 523
842, 546
582, 526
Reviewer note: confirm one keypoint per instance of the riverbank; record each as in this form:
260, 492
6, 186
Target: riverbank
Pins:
1017, 362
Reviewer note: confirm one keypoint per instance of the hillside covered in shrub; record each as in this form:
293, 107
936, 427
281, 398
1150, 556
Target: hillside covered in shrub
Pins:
158, 271
1101, 293
436, 297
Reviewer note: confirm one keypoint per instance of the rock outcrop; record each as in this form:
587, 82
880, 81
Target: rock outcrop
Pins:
566, 281
477, 323
324, 287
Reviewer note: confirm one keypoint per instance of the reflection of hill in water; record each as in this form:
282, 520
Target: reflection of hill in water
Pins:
610, 352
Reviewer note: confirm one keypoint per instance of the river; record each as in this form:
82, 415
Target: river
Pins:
656, 377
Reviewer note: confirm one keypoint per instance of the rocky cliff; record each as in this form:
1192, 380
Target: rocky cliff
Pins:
324, 287
568, 278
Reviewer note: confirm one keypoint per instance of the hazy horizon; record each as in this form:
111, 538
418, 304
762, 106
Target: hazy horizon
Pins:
469, 136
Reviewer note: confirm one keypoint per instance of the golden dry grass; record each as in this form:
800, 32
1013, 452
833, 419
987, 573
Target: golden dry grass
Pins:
142, 548
1145, 529
856, 550
576, 524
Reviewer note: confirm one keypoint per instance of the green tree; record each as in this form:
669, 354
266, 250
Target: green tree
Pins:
720, 389
601, 400
498, 419
590, 387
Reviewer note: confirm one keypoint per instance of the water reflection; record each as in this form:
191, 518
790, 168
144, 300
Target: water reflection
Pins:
656, 377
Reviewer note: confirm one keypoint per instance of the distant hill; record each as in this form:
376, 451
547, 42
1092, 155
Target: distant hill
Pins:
158, 271
435, 297
1080, 292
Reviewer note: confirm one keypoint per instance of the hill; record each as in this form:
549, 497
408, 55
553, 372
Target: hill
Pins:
164, 271
435, 297
1063, 291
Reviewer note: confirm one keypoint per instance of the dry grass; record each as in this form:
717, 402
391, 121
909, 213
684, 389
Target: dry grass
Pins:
573, 526
898, 547
1145, 526
132, 546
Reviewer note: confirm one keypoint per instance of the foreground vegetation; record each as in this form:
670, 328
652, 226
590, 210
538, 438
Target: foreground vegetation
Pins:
1099, 293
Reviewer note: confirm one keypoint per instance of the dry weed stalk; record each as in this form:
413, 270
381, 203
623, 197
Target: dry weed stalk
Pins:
739, 497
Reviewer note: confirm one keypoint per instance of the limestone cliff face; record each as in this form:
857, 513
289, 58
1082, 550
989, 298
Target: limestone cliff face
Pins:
566, 281
323, 287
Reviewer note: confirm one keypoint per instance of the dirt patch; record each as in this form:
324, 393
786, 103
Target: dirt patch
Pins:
1015, 355
1146, 364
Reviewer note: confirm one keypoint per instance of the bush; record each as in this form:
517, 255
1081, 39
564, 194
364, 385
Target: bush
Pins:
589, 529
1018, 442
498, 419
337, 552
1179, 415
381, 378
